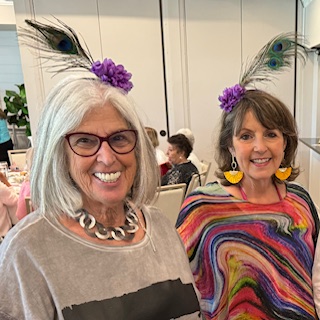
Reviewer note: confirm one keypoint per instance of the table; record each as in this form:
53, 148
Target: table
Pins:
16, 178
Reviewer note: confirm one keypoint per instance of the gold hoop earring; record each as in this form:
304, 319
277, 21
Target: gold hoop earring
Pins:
283, 173
233, 176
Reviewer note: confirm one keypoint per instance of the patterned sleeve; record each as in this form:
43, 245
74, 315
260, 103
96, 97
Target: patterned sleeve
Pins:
303, 194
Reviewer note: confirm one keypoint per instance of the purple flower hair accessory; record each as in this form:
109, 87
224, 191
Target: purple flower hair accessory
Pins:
230, 97
116, 76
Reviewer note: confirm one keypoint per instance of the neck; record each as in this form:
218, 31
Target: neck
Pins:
260, 194
96, 229
107, 215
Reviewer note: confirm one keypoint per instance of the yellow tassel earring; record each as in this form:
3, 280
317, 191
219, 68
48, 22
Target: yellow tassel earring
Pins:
233, 176
283, 173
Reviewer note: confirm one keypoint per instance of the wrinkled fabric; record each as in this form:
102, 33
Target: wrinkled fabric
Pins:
251, 261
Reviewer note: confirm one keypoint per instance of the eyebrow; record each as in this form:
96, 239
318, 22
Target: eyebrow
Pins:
109, 134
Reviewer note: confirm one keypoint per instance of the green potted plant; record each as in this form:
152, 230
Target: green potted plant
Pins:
17, 108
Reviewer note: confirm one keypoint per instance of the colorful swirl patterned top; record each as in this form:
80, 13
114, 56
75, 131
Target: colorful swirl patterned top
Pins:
251, 261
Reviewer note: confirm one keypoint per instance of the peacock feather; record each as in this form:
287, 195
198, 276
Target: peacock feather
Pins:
58, 43
275, 57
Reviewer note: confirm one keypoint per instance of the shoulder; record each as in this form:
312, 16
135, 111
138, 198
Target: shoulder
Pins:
194, 167
210, 189
298, 190
7, 191
188, 166
293, 186
203, 199
26, 233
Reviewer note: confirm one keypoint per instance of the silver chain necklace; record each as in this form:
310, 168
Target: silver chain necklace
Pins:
126, 232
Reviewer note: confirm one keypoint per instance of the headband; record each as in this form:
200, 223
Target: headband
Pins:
275, 57
60, 44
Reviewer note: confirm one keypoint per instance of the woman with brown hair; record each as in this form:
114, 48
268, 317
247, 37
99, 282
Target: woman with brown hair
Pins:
251, 235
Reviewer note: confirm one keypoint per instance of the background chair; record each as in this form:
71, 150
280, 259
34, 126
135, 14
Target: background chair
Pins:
196, 181
169, 199
18, 157
206, 165
28, 204
205, 168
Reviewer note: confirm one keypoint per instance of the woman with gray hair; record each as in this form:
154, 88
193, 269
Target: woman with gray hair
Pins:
94, 248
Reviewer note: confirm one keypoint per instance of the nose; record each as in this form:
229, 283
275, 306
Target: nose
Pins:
260, 145
105, 154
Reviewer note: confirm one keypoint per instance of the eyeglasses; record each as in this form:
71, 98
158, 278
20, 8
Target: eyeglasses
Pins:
87, 144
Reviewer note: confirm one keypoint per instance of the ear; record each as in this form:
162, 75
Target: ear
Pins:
231, 150
284, 143
180, 152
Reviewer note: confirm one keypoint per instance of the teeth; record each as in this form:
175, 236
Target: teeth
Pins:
108, 177
260, 160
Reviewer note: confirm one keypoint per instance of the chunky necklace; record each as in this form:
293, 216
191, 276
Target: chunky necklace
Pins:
126, 232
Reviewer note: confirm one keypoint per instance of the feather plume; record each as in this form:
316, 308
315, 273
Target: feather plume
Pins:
275, 57
58, 44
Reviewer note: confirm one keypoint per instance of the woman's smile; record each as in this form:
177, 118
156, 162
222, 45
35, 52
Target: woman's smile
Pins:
258, 150
108, 177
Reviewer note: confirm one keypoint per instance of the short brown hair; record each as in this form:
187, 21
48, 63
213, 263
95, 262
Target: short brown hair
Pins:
182, 143
272, 114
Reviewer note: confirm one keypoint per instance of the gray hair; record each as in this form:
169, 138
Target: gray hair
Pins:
188, 133
52, 189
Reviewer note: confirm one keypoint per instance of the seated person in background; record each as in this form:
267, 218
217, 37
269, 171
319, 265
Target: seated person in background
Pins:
25, 187
192, 157
160, 155
153, 136
5, 139
182, 169
8, 206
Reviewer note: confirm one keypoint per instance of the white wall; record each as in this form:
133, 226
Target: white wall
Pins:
312, 27
214, 39
205, 43
7, 16
122, 31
